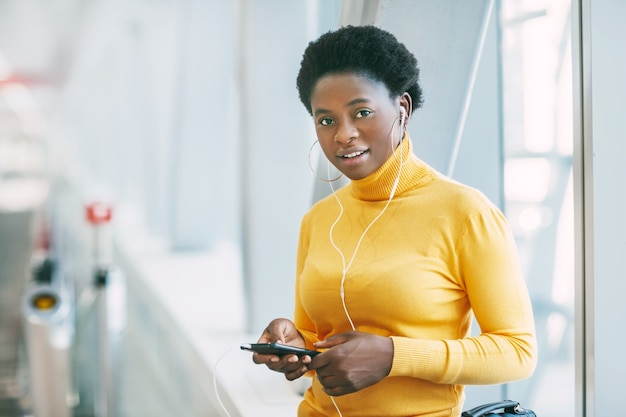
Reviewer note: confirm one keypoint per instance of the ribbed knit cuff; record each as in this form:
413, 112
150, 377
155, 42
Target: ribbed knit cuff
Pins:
413, 357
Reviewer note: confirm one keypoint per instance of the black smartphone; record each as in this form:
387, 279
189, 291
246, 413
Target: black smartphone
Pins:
277, 349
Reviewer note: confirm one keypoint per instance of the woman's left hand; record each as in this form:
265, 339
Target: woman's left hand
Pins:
353, 361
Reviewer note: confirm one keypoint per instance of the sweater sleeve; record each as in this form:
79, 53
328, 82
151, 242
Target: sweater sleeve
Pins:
487, 267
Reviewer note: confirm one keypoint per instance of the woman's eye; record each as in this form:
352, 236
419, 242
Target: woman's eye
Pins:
363, 113
326, 121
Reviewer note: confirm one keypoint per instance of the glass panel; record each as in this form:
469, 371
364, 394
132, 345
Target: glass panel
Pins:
538, 138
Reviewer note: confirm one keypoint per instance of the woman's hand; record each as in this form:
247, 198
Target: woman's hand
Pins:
353, 361
283, 331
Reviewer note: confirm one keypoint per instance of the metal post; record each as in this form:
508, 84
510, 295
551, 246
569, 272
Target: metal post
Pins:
110, 286
48, 335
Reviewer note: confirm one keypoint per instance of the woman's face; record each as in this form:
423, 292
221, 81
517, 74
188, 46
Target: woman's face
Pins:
357, 122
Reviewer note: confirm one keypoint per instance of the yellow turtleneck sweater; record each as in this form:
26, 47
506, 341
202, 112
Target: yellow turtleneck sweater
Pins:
439, 252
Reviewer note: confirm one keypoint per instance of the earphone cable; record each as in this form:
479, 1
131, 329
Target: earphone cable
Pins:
217, 394
346, 268
336, 406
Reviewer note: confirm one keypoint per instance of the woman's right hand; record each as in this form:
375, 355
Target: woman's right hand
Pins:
283, 331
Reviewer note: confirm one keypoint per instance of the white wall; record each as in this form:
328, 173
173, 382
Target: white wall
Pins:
276, 135
604, 114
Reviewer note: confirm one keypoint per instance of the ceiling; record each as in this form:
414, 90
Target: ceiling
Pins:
36, 42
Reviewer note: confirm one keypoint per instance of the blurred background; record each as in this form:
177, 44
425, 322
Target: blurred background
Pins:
153, 173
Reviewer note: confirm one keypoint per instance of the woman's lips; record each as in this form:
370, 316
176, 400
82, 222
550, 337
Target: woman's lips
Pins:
354, 157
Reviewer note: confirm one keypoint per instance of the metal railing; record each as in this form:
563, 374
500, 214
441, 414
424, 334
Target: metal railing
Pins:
74, 344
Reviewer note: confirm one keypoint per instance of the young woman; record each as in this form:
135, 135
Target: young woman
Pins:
392, 266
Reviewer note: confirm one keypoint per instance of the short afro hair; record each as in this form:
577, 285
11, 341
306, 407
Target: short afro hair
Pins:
365, 50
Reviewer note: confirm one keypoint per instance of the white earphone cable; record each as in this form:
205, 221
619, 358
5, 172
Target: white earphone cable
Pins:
346, 268
217, 394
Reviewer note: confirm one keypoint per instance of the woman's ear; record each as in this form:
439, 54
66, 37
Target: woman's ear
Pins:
406, 108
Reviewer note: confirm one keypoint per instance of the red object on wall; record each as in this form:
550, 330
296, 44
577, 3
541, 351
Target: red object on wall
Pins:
99, 213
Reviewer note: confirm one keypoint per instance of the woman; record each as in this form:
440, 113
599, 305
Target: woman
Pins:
391, 267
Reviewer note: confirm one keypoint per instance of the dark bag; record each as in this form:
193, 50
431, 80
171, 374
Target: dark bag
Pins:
510, 409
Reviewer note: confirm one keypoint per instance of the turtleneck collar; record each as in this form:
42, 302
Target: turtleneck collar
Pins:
379, 184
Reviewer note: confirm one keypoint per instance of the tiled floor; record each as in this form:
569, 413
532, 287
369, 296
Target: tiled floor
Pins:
15, 249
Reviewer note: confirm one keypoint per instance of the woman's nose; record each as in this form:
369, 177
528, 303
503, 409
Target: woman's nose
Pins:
346, 133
